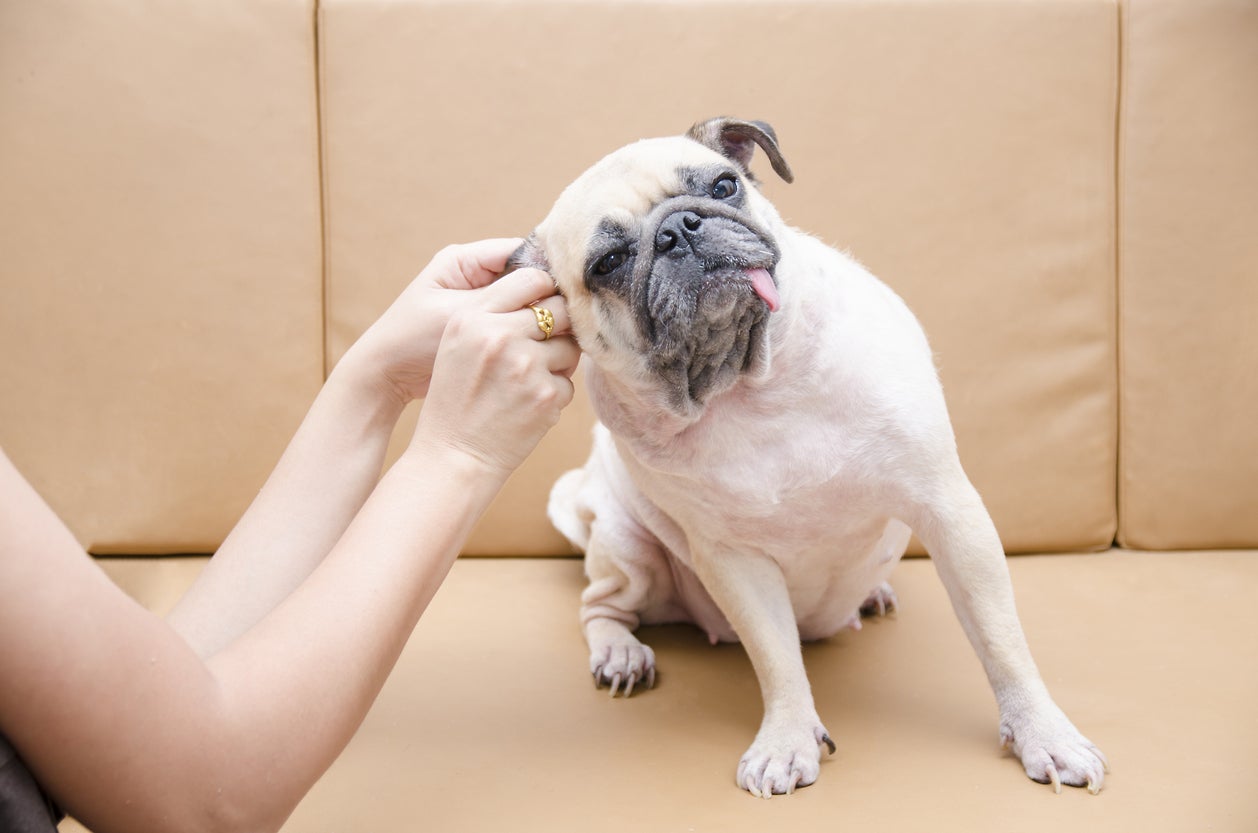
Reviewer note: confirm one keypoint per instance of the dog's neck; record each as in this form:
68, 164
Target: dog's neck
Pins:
639, 410
636, 410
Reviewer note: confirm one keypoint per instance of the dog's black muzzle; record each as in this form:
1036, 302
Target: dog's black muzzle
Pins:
696, 307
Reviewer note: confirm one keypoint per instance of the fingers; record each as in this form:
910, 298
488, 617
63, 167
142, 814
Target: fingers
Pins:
496, 390
563, 353
562, 356
521, 287
473, 265
477, 266
565, 391
559, 321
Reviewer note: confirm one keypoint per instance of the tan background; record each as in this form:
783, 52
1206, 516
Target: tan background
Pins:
1041, 186
1014, 169
160, 301
948, 146
490, 723
1188, 276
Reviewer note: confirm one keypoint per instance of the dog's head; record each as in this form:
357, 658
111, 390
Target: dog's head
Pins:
665, 252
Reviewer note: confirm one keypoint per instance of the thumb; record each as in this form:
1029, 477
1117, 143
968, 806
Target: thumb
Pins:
472, 265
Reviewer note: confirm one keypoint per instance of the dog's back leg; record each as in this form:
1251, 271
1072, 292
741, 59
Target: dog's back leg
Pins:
629, 578
881, 601
890, 548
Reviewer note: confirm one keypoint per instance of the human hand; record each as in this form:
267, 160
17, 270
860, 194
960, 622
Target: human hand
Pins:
497, 384
399, 348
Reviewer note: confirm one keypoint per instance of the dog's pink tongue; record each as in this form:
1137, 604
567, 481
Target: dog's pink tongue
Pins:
762, 284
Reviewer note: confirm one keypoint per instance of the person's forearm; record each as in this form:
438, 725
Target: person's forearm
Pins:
321, 481
327, 650
234, 741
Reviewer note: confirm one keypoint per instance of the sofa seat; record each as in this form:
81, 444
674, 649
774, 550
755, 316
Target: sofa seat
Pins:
490, 721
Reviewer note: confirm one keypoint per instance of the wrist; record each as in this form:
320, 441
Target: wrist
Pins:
362, 379
436, 453
456, 470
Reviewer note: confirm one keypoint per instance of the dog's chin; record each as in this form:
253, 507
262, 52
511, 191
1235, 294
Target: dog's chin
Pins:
705, 340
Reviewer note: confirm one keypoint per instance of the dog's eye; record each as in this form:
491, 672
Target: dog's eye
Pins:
609, 263
725, 187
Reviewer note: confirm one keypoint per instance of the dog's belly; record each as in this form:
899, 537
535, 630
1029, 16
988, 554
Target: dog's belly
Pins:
832, 548
830, 576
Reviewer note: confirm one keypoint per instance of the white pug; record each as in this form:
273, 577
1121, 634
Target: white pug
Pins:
772, 428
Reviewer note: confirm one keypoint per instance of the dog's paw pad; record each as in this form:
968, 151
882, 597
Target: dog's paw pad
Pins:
623, 667
881, 601
779, 762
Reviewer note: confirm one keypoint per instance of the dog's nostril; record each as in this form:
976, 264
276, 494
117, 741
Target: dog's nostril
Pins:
676, 231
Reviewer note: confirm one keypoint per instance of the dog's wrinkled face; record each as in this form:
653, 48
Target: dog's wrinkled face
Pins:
665, 253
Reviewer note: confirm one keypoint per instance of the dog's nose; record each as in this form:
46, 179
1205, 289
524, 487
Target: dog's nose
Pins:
675, 229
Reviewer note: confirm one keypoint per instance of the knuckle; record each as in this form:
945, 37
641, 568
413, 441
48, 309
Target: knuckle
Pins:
445, 257
450, 251
547, 396
539, 277
520, 366
460, 321
544, 285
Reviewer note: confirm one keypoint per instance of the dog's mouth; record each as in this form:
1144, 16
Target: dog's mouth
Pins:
704, 302
763, 284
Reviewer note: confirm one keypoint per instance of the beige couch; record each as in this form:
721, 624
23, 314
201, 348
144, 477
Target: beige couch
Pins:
203, 203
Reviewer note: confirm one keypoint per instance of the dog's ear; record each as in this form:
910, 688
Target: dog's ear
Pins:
737, 140
529, 255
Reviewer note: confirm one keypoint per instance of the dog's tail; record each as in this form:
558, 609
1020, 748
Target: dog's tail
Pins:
570, 514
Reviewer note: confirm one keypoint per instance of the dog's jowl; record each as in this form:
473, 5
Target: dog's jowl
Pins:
771, 427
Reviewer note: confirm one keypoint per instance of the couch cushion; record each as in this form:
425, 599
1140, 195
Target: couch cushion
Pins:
160, 289
963, 150
1189, 274
490, 721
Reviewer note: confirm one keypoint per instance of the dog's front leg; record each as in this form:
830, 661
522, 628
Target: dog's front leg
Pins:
967, 553
751, 591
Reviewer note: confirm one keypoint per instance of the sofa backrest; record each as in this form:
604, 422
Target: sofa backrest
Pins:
205, 203
161, 309
1188, 275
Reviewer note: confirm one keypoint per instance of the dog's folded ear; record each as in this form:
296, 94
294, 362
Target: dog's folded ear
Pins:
737, 140
528, 256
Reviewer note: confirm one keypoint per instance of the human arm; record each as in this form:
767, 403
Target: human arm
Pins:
130, 729
336, 455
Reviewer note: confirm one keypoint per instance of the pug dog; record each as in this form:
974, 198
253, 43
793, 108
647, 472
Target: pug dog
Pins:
771, 430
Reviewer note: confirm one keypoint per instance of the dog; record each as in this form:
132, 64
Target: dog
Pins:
771, 428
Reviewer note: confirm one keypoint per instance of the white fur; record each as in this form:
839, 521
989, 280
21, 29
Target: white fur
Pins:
772, 513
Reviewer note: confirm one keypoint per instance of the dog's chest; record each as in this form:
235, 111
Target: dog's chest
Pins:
783, 474
798, 497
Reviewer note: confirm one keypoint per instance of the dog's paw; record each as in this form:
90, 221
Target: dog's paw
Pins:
881, 601
1052, 750
779, 761
622, 663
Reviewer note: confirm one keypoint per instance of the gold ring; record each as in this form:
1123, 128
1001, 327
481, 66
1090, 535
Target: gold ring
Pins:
545, 320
